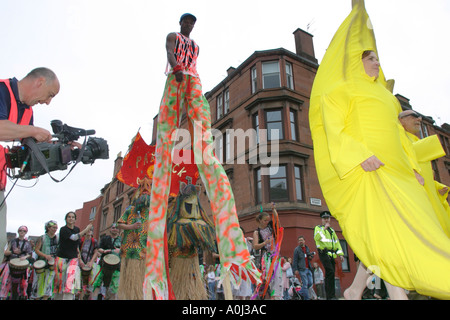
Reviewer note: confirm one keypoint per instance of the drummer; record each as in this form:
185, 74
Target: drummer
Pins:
109, 244
87, 262
17, 282
45, 249
66, 262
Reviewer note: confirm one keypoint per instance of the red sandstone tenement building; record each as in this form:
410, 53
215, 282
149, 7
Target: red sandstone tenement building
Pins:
269, 90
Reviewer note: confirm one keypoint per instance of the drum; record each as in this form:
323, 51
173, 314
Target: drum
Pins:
18, 267
111, 261
51, 263
85, 273
110, 264
39, 266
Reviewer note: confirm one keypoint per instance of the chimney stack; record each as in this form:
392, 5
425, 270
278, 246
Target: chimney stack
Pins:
304, 44
230, 70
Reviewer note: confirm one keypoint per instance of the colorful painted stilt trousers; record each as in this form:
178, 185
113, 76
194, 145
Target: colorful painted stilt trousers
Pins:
233, 252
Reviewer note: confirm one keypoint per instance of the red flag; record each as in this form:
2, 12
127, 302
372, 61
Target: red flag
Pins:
140, 159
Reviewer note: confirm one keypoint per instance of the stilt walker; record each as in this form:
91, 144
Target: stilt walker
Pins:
183, 88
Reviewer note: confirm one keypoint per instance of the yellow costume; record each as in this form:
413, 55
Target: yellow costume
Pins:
428, 149
384, 214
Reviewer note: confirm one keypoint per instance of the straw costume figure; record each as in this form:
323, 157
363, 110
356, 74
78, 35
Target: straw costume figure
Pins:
188, 228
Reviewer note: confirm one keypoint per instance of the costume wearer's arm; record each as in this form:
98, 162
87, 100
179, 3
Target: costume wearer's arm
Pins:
170, 48
346, 152
133, 226
406, 140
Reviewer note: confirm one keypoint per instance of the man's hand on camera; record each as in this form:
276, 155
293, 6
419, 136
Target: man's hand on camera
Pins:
74, 144
41, 135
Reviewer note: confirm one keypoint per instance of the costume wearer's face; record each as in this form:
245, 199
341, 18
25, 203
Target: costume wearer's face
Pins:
411, 121
114, 231
265, 221
52, 229
71, 218
371, 65
187, 24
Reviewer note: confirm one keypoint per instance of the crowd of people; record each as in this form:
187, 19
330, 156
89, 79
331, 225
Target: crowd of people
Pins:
70, 264
65, 265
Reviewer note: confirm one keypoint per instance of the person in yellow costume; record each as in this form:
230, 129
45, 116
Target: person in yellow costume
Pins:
366, 167
428, 149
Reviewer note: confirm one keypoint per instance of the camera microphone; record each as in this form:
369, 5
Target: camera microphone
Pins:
87, 132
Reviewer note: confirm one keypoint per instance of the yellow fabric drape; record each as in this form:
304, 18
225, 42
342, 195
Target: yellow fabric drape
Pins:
428, 149
385, 215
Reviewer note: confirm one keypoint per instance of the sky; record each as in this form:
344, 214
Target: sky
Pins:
110, 58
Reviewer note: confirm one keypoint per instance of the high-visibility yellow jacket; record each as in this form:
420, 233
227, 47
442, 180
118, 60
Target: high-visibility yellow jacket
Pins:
326, 239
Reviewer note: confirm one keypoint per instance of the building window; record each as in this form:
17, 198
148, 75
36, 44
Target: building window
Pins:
258, 184
218, 147
226, 102
274, 125
117, 212
289, 76
271, 75
278, 190
227, 147
436, 174
345, 263
293, 124
104, 218
424, 131
107, 197
256, 126
93, 213
119, 188
298, 183
254, 80
445, 144
219, 106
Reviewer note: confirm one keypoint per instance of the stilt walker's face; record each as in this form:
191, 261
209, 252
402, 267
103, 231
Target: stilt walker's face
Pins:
187, 25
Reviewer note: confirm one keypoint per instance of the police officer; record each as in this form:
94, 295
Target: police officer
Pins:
329, 248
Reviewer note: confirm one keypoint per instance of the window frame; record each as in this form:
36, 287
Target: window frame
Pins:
281, 121
219, 107
226, 101
271, 74
346, 263
258, 182
293, 125
301, 182
289, 75
256, 125
254, 79
286, 180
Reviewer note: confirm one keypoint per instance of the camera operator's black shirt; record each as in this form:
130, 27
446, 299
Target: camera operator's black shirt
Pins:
68, 248
5, 101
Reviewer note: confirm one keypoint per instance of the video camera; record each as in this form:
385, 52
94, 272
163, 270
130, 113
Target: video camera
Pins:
35, 159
